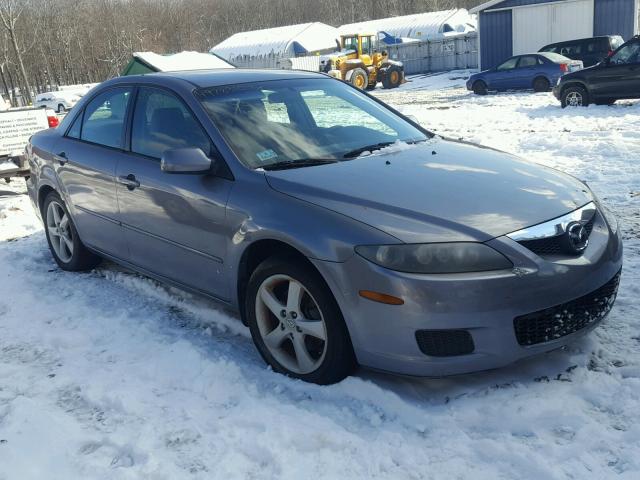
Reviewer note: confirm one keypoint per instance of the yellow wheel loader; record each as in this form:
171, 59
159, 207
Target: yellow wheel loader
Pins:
360, 63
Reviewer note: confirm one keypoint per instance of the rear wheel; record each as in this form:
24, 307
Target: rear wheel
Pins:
63, 239
541, 84
480, 88
296, 324
393, 78
574, 96
359, 78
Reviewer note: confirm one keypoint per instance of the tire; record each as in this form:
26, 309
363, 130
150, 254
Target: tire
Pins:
393, 77
574, 96
283, 326
61, 108
359, 78
480, 88
371, 86
541, 84
64, 242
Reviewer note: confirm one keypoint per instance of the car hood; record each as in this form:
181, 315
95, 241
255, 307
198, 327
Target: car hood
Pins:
437, 191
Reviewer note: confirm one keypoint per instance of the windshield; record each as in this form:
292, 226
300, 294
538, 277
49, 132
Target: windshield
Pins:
288, 121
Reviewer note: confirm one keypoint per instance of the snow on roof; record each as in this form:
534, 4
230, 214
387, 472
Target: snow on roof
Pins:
281, 41
419, 26
182, 61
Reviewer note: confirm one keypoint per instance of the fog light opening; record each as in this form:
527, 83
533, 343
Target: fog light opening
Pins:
381, 297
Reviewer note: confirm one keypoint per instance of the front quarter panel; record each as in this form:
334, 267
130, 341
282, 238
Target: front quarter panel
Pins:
257, 212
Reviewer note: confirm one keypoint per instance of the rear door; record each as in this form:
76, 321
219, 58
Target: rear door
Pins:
86, 158
174, 224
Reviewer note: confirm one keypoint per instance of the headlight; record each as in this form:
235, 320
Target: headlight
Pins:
436, 257
611, 219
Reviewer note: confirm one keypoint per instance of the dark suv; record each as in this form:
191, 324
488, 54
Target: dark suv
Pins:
589, 50
616, 77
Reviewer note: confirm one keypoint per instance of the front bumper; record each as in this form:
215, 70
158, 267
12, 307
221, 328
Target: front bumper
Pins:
556, 91
483, 304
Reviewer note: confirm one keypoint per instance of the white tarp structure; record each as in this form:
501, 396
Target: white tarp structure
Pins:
421, 26
182, 61
265, 48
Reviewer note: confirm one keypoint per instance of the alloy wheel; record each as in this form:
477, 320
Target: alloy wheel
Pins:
291, 324
574, 99
60, 233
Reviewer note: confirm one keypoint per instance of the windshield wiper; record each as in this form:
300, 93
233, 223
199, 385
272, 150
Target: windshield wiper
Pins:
377, 146
367, 148
305, 162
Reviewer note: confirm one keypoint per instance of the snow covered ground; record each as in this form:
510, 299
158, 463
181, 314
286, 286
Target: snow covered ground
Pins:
110, 375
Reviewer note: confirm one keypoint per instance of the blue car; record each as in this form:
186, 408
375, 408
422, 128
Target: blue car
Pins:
537, 71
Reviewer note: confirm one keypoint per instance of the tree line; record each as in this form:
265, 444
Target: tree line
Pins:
45, 43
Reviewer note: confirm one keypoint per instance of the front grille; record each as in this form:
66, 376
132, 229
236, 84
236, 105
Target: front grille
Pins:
555, 322
553, 245
444, 343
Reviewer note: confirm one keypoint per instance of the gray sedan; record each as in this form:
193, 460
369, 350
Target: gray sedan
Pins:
341, 231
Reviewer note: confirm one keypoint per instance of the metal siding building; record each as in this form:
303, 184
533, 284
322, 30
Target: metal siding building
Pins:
512, 27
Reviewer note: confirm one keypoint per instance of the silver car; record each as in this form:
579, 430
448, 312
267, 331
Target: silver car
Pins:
342, 232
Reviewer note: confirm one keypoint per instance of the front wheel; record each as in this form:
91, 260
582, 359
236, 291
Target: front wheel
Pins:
296, 323
575, 96
63, 239
480, 88
359, 78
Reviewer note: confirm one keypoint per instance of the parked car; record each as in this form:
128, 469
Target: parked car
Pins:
589, 50
617, 77
537, 71
341, 231
59, 101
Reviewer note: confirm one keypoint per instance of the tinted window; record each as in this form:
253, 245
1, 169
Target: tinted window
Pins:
162, 122
104, 117
570, 49
509, 64
74, 131
528, 61
629, 53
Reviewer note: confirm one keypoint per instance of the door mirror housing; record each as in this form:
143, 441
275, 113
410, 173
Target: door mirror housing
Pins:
185, 160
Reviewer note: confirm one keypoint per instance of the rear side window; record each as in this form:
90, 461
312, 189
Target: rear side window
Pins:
104, 118
74, 131
528, 61
162, 122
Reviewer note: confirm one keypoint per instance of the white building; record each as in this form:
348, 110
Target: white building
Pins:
421, 26
268, 47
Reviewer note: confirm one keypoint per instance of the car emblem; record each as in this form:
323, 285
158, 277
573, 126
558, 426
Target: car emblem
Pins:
578, 237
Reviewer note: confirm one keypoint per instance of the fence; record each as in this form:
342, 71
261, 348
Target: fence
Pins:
440, 55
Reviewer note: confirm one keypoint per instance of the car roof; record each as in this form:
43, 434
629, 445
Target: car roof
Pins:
576, 40
227, 76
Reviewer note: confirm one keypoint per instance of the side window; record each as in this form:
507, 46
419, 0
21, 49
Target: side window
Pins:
366, 45
104, 118
162, 122
509, 64
527, 61
74, 131
629, 53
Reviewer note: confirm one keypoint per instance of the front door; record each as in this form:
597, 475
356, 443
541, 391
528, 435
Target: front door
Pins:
620, 76
503, 77
86, 159
174, 224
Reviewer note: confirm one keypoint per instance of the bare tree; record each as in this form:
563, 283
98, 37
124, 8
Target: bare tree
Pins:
10, 11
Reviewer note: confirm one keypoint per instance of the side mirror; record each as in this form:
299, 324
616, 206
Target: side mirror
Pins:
185, 160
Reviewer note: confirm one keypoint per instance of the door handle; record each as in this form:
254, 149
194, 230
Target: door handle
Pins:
129, 181
61, 158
